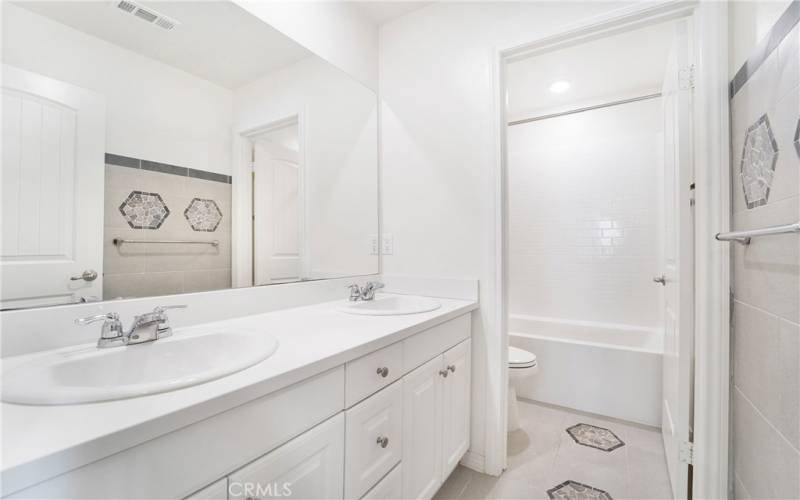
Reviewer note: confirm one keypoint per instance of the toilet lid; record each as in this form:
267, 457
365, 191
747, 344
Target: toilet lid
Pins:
520, 358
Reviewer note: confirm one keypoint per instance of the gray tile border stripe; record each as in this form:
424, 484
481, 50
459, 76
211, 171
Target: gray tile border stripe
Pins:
776, 34
165, 168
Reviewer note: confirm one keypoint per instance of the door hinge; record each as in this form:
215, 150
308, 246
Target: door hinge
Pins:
686, 78
686, 452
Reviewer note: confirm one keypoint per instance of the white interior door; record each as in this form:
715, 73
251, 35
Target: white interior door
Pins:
678, 262
52, 190
276, 221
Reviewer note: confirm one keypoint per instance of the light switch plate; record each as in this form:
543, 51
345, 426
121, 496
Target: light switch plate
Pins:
374, 244
387, 244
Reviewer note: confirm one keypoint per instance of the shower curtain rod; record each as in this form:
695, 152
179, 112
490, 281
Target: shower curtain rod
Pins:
587, 108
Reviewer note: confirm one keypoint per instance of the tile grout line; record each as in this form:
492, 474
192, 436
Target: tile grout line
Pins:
765, 419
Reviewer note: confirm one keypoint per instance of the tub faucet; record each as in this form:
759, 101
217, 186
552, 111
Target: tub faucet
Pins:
145, 328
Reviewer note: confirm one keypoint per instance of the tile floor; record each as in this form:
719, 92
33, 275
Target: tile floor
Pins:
543, 455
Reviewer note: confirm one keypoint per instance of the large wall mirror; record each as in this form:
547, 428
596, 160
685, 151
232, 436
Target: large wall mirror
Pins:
154, 148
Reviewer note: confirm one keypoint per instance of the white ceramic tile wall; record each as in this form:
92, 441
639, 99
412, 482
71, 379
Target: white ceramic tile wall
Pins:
584, 196
765, 400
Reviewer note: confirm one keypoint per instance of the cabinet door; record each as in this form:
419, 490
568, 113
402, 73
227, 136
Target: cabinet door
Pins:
389, 488
374, 439
456, 407
422, 425
308, 466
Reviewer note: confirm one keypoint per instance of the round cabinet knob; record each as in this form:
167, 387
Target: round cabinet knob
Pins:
443, 373
383, 372
452, 368
383, 441
88, 275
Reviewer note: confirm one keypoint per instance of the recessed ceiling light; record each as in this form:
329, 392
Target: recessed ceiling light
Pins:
559, 87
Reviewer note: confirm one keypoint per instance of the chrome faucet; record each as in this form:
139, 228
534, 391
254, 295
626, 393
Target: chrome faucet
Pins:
145, 328
367, 292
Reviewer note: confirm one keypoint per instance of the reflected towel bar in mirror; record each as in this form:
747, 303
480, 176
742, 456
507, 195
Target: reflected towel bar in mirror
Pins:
743, 237
120, 241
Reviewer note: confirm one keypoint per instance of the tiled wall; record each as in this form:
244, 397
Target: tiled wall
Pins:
584, 231
765, 162
151, 201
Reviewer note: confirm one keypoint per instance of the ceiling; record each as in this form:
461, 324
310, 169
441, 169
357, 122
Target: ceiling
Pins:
381, 12
615, 67
216, 40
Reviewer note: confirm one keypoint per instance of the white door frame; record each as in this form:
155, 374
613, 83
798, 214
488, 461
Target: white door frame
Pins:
712, 212
242, 199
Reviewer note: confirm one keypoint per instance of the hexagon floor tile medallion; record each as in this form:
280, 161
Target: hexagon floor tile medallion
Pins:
144, 210
759, 156
203, 215
595, 437
573, 490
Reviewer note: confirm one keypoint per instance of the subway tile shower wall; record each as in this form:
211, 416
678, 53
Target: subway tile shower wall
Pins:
584, 223
765, 168
152, 201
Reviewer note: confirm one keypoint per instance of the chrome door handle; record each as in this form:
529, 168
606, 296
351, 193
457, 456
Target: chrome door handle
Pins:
661, 279
88, 275
383, 441
383, 371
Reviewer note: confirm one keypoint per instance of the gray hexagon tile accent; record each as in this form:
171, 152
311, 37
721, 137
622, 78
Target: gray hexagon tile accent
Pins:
144, 210
573, 490
759, 156
203, 215
595, 437
797, 138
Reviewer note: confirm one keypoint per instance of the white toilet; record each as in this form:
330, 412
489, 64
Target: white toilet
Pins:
521, 365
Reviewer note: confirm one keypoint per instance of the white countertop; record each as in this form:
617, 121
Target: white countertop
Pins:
40, 442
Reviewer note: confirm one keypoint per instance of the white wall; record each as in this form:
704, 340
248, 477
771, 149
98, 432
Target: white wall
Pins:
154, 111
749, 23
584, 198
339, 32
438, 135
339, 133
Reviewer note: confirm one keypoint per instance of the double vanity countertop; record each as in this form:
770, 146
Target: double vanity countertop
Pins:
40, 442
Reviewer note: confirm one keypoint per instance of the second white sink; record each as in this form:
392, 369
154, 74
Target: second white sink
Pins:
388, 305
87, 374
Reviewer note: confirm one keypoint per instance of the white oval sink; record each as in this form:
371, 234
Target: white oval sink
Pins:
389, 305
88, 374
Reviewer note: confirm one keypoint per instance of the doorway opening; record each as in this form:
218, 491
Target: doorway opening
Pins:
599, 250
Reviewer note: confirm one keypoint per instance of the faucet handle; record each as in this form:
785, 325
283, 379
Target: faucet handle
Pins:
161, 309
112, 316
375, 285
355, 292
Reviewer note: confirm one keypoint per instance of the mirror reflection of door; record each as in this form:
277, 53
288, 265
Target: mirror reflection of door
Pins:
53, 136
277, 204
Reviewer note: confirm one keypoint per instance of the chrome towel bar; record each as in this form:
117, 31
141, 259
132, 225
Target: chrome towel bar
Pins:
743, 237
120, 241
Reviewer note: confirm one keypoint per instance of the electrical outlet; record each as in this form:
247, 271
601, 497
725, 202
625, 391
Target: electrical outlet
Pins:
374, 244
387, 244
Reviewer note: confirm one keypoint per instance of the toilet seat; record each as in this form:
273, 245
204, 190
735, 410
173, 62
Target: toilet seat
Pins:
520, 358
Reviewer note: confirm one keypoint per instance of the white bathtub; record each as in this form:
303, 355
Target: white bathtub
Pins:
608, 369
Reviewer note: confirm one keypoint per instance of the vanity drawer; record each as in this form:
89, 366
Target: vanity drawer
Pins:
424, 346
214, 491
369, 374
389, 488
373, 439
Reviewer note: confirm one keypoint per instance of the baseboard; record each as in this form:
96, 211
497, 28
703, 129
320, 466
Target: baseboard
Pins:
474, 461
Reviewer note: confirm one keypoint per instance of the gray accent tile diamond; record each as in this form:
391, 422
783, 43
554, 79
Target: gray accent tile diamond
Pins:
144, 210
595, 437
203, 215
573, 490
759, 156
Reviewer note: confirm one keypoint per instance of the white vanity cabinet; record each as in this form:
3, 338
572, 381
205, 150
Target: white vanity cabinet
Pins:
392, 423
436, 416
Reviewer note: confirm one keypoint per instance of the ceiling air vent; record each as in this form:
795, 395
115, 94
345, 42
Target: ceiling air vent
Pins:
147, 14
